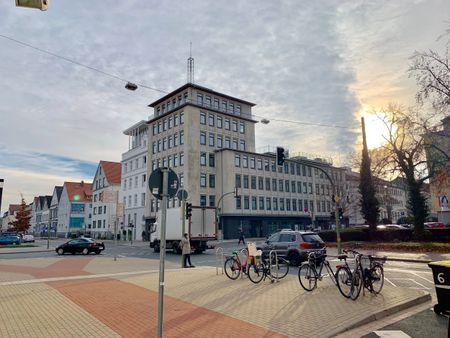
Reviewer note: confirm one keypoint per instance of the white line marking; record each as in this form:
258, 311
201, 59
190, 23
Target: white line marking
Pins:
390, 282
391, 334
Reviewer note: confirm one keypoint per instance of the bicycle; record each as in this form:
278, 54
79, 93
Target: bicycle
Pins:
233, 265
274, 269
369, 275
308, 273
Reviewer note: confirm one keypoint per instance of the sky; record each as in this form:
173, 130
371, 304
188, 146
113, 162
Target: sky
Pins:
324, 62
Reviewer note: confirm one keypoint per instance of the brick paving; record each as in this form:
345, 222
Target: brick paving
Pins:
197, 303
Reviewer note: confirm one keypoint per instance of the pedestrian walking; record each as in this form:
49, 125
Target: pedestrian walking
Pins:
241, 237
186, 251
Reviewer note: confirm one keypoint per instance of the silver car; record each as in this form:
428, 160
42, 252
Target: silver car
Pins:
292, 244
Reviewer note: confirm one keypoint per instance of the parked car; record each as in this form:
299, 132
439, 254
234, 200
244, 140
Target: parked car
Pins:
80, 245
28, 239
9, 239
434, 225
292, 244
390, 227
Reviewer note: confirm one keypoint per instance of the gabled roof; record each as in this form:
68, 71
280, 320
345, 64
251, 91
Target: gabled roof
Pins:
112, 171
79, 191
59, 190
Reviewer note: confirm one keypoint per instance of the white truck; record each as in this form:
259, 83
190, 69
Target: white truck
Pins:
201, 227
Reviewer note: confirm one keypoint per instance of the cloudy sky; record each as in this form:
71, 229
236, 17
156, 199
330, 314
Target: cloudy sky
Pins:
323, 62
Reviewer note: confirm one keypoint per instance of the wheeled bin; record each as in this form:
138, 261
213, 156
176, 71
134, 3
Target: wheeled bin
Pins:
441, 276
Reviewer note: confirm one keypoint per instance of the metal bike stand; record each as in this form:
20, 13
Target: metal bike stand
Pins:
241, 252
276, 260
219, 257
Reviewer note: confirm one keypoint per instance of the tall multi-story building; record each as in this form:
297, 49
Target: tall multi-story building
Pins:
134, 183
105, 191
74, 209
208, 139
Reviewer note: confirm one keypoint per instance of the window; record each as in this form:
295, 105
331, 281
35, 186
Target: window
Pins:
181, 158
244, 161
219, 141
292, 166
212, 201
154, 148
169, 161
135, 181
170, 142
273, 166
203, 180
245, 181
267, 183
227, 142
275, 204
170, 122
288, 204
274, 184
135, 202
286, 186
266, 165
280, 185
175, 160
261, 183
227, 124
211, 120
203, 159
211, 139
297, 167
294, 205
181, 137
234, 125
237, 182
286, 168
293, 186
309, 172
164, 144
202, 118
242, 127
261, 203
281, 204
252, 163
311, 205
231, 108
238, 202
181, 118
305, 187
212, 160
224, 105
317, 189
238, 110
203, 200
208, 101
216, 103
253, 182
203, 138
242, 145
237, 160
259, 164
165, 125
219, 122
175, 120
212, 181
299, 187
254, 201
310, 188
155, 129
268, 204
159, 127
175, 140
246, 202
303, 170
235, 144
200, 99
300, 205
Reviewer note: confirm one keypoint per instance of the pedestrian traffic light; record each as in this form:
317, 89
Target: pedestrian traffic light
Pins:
188, 210
280, 155
341, 213
332, 215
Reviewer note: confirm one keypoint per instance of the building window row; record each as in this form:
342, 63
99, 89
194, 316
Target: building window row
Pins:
172, 103
168, 123
169, 142
279, 204
211, 181
171, 161
222, 141
220, 122
137, 163
218, 104
210, 157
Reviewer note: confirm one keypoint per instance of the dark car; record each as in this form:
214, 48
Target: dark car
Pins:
80, 245
294, 245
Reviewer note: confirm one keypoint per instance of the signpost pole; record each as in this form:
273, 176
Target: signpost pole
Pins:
162, 251
183, 226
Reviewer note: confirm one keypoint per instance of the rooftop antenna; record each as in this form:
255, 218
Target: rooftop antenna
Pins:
190, 66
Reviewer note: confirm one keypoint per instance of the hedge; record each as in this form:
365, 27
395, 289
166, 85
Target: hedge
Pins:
385, 235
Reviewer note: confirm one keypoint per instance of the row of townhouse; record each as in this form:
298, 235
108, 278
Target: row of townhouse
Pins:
208, 139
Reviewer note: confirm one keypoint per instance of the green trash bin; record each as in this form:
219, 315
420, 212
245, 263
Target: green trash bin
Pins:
441, 276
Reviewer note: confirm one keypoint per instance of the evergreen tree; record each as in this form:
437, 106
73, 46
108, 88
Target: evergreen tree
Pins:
369, 202
23, 216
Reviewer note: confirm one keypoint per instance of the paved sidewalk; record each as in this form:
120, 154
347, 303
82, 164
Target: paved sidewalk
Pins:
97, 297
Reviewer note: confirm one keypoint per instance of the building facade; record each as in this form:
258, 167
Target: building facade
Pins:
134, 185
105, 191
54, 210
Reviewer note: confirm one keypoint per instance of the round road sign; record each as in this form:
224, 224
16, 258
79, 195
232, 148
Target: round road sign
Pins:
155, 183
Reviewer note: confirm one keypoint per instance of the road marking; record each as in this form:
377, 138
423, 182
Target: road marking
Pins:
391, 334
412, 280
429, 281
390, 282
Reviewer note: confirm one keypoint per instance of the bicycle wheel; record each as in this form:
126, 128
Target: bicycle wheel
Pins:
307, 277
282, 268
377, 278
232, 268
255, 272
344, 281
357, 284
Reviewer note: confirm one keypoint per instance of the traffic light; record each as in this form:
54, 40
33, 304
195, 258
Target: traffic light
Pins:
188, 210
332, 214
280, 155
341, 213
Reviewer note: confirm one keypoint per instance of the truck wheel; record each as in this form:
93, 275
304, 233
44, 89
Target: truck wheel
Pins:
156, 248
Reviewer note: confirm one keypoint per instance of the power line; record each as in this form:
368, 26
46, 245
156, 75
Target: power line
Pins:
78, 63
309, 123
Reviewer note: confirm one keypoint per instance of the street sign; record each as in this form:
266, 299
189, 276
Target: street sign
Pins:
182, 194
155, 183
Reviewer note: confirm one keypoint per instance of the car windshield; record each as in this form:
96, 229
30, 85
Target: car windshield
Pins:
311, 238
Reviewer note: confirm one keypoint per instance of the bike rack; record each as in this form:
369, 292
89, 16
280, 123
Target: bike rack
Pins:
276, 260
219, 256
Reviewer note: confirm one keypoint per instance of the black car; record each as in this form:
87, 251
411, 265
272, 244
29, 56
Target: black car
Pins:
80, 245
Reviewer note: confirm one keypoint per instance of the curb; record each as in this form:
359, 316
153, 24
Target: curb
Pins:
387, 312
25, 252
410, 260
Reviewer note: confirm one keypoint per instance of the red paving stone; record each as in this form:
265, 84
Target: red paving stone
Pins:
131, 310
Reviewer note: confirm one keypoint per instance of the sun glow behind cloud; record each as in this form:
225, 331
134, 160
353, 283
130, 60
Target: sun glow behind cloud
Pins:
376, 130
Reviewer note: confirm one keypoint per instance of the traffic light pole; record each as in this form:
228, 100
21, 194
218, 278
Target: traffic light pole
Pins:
183, 226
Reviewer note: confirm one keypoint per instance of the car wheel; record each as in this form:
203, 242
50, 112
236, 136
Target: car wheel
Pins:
60, 251
85, 251
294, 258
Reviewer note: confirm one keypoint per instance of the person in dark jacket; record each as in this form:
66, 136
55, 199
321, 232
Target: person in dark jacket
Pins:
241, 237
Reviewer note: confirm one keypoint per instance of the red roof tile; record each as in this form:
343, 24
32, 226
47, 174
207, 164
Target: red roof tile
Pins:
82, 189
112, 171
